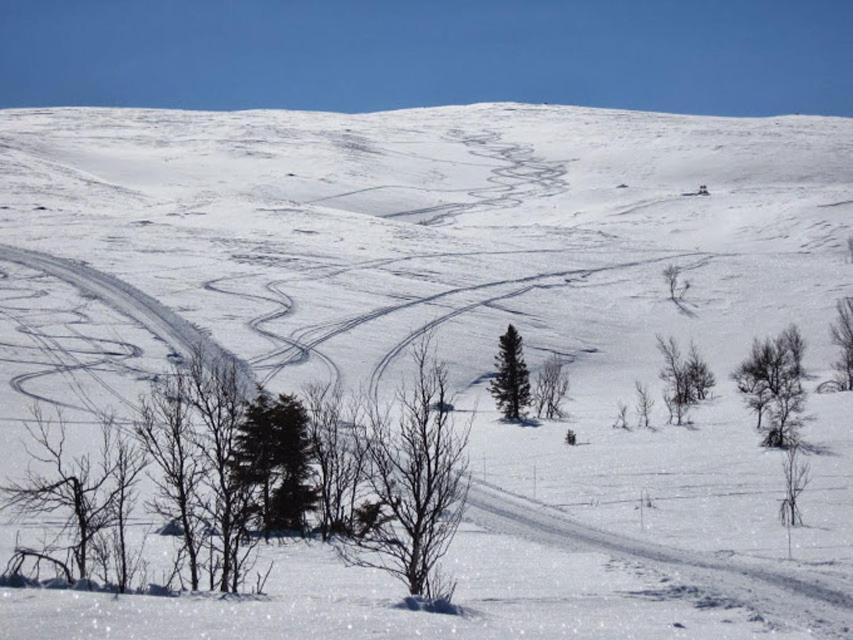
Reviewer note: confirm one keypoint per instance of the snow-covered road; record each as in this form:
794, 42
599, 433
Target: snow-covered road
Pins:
804, 600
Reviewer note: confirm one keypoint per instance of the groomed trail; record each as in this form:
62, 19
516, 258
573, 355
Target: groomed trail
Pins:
182, 337
781, 597
787, 598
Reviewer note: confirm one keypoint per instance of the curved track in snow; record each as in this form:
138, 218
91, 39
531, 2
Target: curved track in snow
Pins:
288, 350
784, 596
522, 176
781, 596
180, 335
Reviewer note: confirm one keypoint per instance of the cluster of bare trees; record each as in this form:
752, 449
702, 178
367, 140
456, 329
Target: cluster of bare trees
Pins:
93, 493
340, 454
771, 381
186, 431
188, 427
168, 433
390, 483
687, 380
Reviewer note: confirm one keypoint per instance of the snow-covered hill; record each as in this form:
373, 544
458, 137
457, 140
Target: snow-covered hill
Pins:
320, 246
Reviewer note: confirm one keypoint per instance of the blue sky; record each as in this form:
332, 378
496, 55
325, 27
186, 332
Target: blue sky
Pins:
734, 57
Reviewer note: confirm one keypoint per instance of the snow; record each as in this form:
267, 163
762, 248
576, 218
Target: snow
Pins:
292, 240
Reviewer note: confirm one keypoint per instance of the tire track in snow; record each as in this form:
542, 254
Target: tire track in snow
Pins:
525, 176
61, 360
809, 601
780, 594
52, 350
313, 335
163, 323
284, 307
536, 281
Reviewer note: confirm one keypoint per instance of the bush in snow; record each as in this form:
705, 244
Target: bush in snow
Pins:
621, 421
677, 393
796, 479
643, 405
677, 287
687, 380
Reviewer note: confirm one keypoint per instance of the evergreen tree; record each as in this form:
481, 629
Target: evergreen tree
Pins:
273, 456
255, 459
511, 386
295, 495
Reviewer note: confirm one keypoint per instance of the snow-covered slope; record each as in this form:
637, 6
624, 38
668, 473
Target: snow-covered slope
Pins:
319, 246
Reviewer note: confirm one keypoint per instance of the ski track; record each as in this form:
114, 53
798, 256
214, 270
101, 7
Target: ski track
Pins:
163, 323
804, 600
565, 276
523, 177
61, 359
309, 337
284, 307
58, 365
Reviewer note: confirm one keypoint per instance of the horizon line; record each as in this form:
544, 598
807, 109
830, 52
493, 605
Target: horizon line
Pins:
460, 105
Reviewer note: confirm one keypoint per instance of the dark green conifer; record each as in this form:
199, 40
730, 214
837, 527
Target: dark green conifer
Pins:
511, 386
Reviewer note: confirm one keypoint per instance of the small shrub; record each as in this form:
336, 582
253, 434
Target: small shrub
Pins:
571, 438
621, 421
644, 405
677, 287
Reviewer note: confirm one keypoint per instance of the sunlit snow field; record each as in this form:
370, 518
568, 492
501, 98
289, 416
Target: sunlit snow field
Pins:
319, 247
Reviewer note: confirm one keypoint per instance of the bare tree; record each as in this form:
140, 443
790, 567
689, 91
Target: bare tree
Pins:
796, 480
75, 486
127, 462
418, 471
752, 380
167, 432
340, 457
22, 553
550, 389
677, 395
677, 287
699, 376
842, 336
850, 246
219, 398
644, 405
